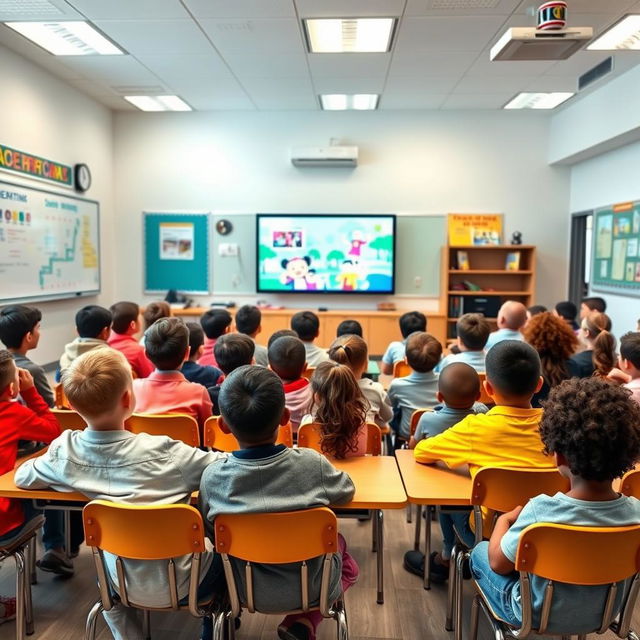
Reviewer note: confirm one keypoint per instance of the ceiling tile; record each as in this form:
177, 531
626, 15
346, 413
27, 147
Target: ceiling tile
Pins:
348, 85
476, 84
17, 10
410, 101
348, 64
157, 36
431, 63
349, 8
130, 9
277, 65
269, 102
113, 70
176, 67
578, 63
274, 36
552, 83
281, 93
219, 99
241, 8
477, 101
466, 7
423, 85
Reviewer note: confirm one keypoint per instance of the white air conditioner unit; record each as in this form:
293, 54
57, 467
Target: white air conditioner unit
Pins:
331, 156
528, 43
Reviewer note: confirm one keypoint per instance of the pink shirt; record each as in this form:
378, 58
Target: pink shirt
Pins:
634, 387
207, 357
171, 392
133, 352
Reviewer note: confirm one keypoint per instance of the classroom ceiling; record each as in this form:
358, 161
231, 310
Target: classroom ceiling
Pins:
250, 54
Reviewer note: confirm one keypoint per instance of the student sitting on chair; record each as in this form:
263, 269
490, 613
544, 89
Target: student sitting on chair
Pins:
512, 317
409, 323
458, 394
568, 312
287, 359
506, 436
599, 356
592, 429
263, 478
124, 325
106, 462
152, 312
307, 325
166, 390
594, 303
205, 375
473, 331
215, 323
20, 332
248, 319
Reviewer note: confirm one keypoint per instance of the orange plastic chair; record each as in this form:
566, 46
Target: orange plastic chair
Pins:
500, 490
175, 425
401, 369
59, 397
630, 484
565, 553
485, 398
308, 373
415, 418
69, 419
158, 532
413, 424
280, 540
215, 438
309, 437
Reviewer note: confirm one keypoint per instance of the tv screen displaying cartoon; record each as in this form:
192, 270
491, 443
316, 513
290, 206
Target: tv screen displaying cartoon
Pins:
325, 253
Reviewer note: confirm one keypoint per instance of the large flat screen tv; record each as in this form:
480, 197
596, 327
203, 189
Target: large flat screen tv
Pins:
326, 253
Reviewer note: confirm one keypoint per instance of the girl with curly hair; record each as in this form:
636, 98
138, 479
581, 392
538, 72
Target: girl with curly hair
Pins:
600, 355
341, 410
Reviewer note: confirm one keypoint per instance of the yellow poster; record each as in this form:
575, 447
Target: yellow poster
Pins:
468, 229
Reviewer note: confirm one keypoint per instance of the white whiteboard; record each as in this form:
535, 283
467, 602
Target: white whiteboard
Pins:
49, 245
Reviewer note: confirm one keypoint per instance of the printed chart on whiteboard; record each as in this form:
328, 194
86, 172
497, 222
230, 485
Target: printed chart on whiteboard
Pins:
49, 244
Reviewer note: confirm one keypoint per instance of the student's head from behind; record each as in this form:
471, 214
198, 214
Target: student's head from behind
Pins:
9, 385
252, 405
458, 386
248, 319
473, 331
93, 321
411, 322
154, 311
215, 323
349, 327
166, 343
592, 304
281, 333
196, 340
306, 324
233, 350
592, 426
98, 386
512, 315
596, 332
20, 327
125, 317
630, 353
513, 371
352, 351
566, 310
423, 352
535, 309
287, 357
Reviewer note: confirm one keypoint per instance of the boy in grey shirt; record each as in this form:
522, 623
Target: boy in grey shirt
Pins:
307, 325
264, 477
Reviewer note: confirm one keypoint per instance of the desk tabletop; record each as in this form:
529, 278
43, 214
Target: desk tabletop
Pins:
433, 484
377, 480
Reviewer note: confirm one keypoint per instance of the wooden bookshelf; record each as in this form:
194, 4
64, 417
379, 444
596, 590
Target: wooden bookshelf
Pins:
487, 271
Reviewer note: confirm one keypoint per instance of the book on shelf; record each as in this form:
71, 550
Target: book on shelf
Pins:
456, 306
512, 262
463, 261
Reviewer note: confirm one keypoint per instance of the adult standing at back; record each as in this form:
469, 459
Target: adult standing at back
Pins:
512, 317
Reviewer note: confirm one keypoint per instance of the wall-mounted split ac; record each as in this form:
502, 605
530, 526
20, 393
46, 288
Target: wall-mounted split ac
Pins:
329, 156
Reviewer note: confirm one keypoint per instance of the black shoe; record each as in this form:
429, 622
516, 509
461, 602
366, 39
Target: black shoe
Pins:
438, 573
297, 631
414, 562
56, 562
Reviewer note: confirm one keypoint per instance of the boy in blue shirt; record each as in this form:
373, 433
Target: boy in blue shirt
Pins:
593, 430
206, 375
409, 323
473, 331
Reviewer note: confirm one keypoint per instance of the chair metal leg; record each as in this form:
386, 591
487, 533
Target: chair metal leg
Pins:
341, 620
409, 506
146, 624
426, 580
18, 556
416, 540
28, 602
475, 615
231, 625
448, 625
374, 533
461, 557
67, 531
219, 618
31, 558
378, 515
92, 619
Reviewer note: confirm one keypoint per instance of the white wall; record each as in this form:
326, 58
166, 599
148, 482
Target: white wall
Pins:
46, 117
429, 162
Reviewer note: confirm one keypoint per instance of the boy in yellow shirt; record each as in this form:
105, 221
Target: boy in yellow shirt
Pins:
506, 436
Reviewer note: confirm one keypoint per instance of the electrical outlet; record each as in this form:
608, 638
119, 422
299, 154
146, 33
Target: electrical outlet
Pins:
417, 281
228, 249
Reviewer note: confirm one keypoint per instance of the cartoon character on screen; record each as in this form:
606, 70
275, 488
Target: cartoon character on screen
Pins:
356, 243
297, 275
348, 277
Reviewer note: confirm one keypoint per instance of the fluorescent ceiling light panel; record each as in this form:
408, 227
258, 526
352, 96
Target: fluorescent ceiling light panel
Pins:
67, 38
625, 34
343, 102
349, 35
538, 100
158, 103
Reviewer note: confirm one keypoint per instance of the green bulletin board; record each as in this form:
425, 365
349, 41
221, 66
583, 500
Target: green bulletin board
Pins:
616, 249
176, 252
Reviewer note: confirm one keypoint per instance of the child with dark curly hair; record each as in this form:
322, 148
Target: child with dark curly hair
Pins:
592, 428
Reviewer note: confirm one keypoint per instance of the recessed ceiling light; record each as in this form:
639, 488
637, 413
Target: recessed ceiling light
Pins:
343, 101
349, 35
538, 100
625, 34
158, 103
67, 38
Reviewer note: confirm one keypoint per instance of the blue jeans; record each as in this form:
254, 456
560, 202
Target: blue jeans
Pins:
452, 523
496, 588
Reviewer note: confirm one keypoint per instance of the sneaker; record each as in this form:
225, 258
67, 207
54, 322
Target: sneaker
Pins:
7, 609
56, 562
297, 631
414, 563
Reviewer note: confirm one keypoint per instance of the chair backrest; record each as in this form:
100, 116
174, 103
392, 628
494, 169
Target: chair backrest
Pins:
630, 484
415, 418
401, 369
277, 538
175, 425
59, 397
485, 398
215, 438
309, 436
158, 532
69, 419
566, 553
308, 372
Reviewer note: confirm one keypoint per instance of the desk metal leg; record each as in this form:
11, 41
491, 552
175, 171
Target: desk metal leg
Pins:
416, 542
374, 532
67, 531
427, 547
32, 561
380, 559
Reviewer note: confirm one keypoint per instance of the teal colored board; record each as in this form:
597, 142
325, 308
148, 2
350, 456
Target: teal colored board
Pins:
176, 252
418, 245
616, 249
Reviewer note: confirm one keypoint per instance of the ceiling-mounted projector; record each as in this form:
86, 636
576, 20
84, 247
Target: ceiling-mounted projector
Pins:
529, 43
